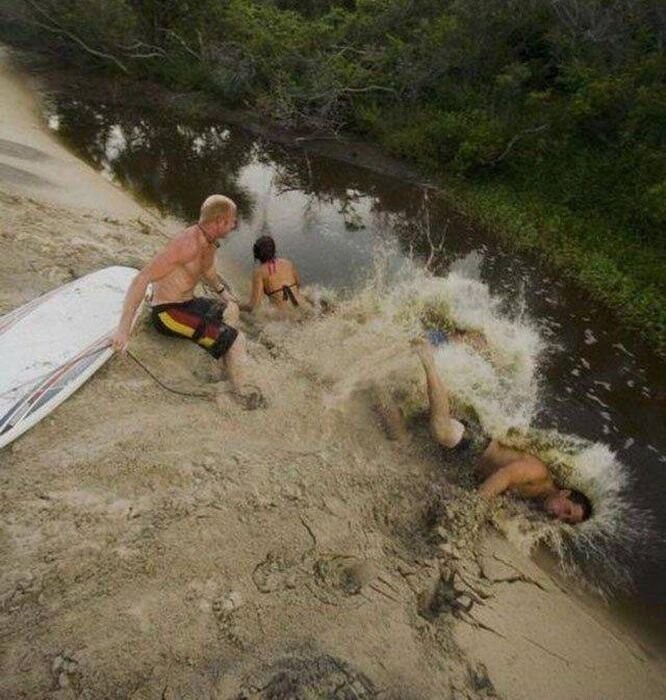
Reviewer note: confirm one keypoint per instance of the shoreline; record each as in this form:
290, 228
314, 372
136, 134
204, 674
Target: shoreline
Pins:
532, 227
106, 557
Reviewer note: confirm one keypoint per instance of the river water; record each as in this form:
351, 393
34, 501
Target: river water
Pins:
599, 381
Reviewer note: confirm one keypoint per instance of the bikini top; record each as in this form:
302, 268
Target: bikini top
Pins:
287, 294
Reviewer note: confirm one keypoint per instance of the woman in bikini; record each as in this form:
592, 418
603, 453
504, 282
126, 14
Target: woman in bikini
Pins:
276, 278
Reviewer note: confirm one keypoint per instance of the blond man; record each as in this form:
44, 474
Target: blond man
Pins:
174, 273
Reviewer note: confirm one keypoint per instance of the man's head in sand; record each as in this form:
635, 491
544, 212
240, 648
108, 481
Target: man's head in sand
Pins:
218, 216
569, 506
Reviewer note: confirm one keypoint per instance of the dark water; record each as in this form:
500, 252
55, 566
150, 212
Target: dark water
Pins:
603, 384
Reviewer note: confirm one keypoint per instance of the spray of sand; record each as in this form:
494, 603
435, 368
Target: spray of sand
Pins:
364, 343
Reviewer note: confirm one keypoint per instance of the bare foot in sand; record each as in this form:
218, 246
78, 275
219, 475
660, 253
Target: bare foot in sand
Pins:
224, 399
250, 397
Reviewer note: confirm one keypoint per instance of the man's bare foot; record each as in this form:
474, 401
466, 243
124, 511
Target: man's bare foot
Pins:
250, 397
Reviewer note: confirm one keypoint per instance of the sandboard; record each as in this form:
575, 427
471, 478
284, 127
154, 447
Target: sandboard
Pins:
50, 346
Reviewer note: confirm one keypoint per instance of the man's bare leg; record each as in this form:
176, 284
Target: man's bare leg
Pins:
391, 415
444, 429
235, 362
231, 314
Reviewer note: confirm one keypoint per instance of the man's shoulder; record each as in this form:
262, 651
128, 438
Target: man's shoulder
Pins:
535, 468
185, 245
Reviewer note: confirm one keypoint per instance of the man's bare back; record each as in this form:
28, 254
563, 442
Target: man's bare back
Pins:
186, 260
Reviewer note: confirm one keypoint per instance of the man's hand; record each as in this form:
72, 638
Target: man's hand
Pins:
226, 296
120, 341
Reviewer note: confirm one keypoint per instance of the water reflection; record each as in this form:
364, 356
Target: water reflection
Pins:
169, 165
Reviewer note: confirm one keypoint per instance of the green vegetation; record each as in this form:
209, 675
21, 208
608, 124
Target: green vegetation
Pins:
547, 117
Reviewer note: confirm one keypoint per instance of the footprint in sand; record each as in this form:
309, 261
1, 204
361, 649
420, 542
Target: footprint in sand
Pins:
320, 676
276, 572
443, 597
64, 670
228, 614
27, 590
345, 579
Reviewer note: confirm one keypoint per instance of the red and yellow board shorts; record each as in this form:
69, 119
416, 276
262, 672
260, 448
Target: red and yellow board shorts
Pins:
199, 320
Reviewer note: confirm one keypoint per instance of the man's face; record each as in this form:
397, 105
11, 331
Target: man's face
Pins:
226, 224
561, 508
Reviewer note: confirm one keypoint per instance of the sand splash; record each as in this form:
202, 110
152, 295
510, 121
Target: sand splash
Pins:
364, 343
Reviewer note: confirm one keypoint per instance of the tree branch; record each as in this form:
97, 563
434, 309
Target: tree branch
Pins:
56, 28
182, 42
513, 142
134, 50
434, 249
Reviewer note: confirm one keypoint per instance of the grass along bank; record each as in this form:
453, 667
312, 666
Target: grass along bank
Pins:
606, 262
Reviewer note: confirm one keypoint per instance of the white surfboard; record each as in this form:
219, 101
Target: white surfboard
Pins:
51, 345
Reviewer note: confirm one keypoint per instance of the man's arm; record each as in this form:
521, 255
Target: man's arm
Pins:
160, 266
521, 471
257, 291
217, 284
214, 280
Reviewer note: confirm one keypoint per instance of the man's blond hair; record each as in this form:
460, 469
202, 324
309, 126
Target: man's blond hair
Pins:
214, 206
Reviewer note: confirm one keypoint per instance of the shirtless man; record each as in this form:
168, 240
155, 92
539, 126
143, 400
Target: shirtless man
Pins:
174, 273
503, 469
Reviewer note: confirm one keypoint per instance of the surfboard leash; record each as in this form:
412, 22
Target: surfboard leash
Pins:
180, 392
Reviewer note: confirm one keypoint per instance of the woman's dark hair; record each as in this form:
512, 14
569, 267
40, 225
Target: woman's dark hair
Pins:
264, 249
583, 501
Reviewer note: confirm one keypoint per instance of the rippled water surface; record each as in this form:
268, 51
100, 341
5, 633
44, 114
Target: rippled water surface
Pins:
599, 382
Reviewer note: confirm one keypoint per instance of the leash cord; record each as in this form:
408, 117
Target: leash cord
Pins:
180, 392
41, 377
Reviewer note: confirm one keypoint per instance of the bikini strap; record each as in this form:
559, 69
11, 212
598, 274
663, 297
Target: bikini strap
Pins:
288, 295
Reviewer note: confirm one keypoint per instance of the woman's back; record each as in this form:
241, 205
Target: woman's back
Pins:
280, 281
276, 278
